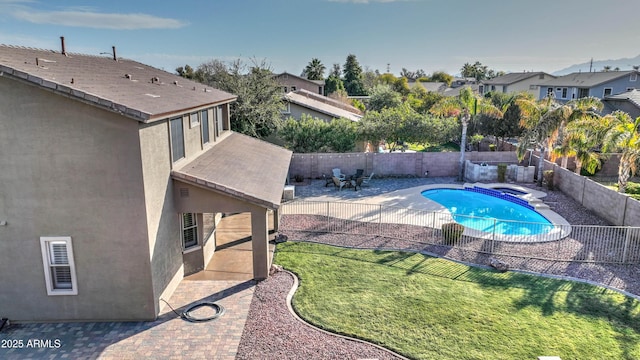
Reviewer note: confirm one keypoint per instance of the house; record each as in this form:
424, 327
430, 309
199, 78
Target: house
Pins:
113, 176
318, 106
596, 84
628, 102
292, 82
438, 87
515, 82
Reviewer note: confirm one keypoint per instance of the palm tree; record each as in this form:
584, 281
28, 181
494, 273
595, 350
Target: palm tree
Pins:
314, 70
541, 120
465, 106
584, 110
624, 136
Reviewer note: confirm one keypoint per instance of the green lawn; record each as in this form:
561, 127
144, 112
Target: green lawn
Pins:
428, 308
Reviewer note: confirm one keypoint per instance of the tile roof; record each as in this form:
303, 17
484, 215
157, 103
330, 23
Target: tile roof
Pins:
124, 86
513, 78
241, 167
309, 100
587, 79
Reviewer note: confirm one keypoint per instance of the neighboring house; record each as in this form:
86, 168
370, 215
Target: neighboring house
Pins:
292, 82
628, 102
455, 91
515, 82
304, 102
113, 176
438, 87
596, 84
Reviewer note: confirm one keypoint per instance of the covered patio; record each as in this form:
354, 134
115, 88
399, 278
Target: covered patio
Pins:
238, 175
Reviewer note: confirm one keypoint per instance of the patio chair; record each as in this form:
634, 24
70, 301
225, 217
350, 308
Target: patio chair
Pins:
357, 183
359, 173
365, 181
339, 183
337, 173
327, 180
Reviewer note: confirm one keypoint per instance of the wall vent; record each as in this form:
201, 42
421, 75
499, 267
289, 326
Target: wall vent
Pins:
184, 192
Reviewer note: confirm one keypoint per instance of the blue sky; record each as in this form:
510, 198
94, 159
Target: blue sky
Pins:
433, 35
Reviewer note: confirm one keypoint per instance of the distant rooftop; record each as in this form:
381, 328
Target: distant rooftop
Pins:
124, 86
513, 78
633, 96
322, 104
587, 79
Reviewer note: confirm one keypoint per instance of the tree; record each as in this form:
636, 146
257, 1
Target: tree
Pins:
540, 120
186, 72
402, 124
333, 84
314, 70
353, 77
583, 110
316, 135
370, 79
383, 96
624, 135
257, 110
441, 76
478, 71
465, 106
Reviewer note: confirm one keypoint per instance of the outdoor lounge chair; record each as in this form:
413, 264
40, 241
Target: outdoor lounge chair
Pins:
339, 183
365, 181
337, 173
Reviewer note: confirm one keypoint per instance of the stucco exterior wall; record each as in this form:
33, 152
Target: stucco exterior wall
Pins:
69, 169
288, 81
163, 221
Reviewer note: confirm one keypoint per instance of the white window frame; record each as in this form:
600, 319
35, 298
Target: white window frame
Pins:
46, 243
194, 120
287, 108
633, 77
604, 92
193, 227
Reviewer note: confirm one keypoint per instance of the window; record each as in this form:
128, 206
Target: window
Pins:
177, 139
59, 267
320, 90
189, 230
204, 117
607, 92
504, 88
541, 76
582, 93
633, 77
549, 91
561, 93
220, 120
286, 89
287, 108
193, 120
293, 88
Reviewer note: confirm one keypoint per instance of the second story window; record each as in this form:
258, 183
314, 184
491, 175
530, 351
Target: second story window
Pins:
204, 117
607, 92
193, 120
177, 139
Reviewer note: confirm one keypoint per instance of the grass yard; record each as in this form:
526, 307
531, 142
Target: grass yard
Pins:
430, 308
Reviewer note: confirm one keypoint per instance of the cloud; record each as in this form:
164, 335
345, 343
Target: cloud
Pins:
97, 20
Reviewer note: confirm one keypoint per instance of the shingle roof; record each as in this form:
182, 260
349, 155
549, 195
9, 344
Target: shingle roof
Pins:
430, 86
308, 100
587, 79
284, 74
633, 96
125, 86
513, 78
253, 170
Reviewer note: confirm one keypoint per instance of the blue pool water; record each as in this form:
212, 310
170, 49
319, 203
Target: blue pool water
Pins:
483, 209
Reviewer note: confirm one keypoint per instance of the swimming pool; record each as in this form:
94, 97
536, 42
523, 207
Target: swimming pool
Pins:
491, 211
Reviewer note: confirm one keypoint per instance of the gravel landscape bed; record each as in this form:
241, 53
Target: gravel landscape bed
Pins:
272, 332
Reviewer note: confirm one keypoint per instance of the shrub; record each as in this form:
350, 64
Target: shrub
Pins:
452, 233
548, 178
632, 188
502, 172
492, 147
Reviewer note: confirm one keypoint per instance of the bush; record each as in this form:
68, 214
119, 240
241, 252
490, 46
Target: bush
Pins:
492, 147
452, 233
502, 172
548, 178
632, 188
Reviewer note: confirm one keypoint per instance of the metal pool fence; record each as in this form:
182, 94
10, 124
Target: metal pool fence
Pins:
576, 243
